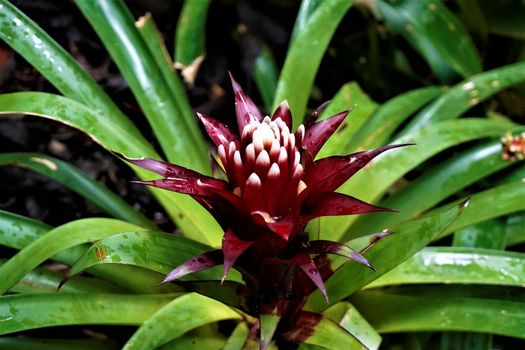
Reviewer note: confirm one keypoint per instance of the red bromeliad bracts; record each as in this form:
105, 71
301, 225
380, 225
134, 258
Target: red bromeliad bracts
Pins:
275, 186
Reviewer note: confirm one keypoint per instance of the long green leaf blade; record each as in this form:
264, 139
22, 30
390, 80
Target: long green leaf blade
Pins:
57, 66
61, 238
190, 216
374, 180
79, 182
428, 25
18, 311
190, 34
409, 238
437, 184
176, 318
350, 96
386, 119
178, 137
463, 96
297, 75
457, 265
403, 313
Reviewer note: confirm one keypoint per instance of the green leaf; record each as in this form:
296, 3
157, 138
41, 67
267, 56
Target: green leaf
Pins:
488, 234
428, 26
17, 312
176, 318
409, 238
349, 96
45, 281
24, 343
79, 182
457, 265
375, 179
154, 41
386, 119
60, 68
190, 35
190, 216
60, 238
306, 10
348, 317
419, 313
509, 199
18, 232
265, 75
329, 335
437, 184
156, 251
177, 135
238, 337
197, 339
463, 96
305, 54
515, 229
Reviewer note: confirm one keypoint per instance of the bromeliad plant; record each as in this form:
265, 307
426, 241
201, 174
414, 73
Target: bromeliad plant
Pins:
275, 187
296, 266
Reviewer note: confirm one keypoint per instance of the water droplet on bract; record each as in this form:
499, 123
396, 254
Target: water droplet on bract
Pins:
201, 260
313, 271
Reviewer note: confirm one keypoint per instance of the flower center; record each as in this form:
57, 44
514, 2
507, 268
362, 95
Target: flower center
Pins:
265, 168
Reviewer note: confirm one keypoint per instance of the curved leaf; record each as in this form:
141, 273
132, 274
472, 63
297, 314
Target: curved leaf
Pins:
79, 182
60, 68
457, 265
350, 96
348, 317
373, 181
18, 232
507, 197
190, 217
238, 337
298, 73
386, 119
428, 25
17, 312
403, 313
60, 238
156, 251
190, 34
409, 238
45, 281
176, 318
265, 75
437, 184
463, 96
178, 134
24, 343
154, 41
515, 229
318, 330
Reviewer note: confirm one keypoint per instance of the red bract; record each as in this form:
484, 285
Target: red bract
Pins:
275, 186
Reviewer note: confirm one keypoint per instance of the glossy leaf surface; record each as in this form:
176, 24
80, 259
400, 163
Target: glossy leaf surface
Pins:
404, 313
297, 75
61, 238
193, 220
79, 182
457, 265
463, 96
409, 238
77, 309
176, 318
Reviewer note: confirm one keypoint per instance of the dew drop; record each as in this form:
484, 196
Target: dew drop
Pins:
313, 271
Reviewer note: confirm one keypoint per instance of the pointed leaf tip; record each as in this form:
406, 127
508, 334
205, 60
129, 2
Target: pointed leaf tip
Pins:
232, 248
195, 264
